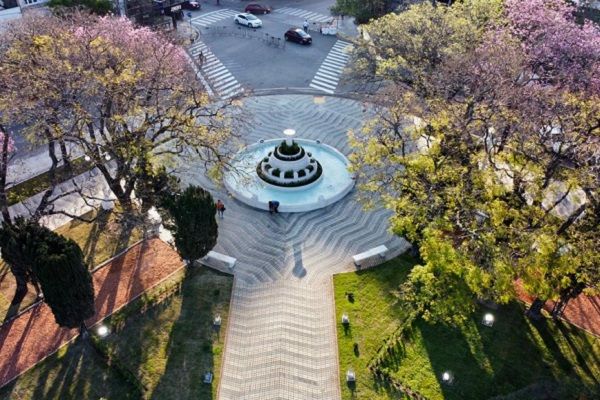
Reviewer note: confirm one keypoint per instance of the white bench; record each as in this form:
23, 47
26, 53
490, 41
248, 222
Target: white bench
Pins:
218, 260
379, 251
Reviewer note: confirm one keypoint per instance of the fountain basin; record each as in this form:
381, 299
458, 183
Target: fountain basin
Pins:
335, 182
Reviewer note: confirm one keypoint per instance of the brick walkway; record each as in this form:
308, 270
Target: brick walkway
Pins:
34, 335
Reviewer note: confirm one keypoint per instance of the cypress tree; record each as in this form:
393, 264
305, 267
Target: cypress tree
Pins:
64, 277
191, 218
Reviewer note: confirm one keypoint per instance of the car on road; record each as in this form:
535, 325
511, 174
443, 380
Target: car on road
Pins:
248, 20
255, 8
190, 5
298, 35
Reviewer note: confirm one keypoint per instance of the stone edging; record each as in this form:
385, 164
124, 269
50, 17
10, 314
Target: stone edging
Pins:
226, 335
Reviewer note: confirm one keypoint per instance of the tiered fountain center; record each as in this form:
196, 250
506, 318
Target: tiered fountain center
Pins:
300, 174
289, 165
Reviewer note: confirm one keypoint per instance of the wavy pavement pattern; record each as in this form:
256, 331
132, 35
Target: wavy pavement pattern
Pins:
281, 342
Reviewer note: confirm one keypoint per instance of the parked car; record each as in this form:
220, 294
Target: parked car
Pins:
249, 20
298, 35
255, 8
190, 5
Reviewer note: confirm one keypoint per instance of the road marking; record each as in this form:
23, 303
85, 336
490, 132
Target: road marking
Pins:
328, 75
212, 17
217, 75
304, 14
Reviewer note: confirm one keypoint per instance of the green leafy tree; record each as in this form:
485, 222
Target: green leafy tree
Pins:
63, 275
100, 7
362, 10
408, 47
191, 216
489, 164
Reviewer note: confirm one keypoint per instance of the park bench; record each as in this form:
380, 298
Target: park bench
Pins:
375, 252
218, 260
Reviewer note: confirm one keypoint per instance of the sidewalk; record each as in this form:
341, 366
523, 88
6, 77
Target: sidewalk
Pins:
34, 335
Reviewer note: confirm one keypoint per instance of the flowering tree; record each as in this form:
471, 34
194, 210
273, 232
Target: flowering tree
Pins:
498, 179
126, 96
559, 50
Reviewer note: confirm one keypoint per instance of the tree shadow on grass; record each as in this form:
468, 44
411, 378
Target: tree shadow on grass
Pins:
190, 348
490, 361
75, 372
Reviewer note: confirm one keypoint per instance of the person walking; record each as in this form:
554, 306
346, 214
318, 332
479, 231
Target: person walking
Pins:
305, 25
220, 208
201, 58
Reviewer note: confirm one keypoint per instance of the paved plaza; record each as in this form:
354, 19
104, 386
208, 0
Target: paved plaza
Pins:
281, 342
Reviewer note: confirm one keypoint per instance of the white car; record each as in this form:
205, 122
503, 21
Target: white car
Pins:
248, 19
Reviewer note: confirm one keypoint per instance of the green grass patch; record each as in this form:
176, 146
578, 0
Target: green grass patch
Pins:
41, 182
108, 235
74, 372
514, 354
170, 346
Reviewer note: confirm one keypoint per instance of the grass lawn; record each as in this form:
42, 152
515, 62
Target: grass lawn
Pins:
74, 372
171, 346
99, 240
515, 353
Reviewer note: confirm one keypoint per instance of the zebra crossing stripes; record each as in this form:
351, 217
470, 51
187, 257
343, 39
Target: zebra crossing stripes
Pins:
328, 74
212, 17
303, 14
219, 77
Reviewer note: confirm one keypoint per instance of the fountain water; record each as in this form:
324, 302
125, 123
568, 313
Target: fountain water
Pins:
302, 175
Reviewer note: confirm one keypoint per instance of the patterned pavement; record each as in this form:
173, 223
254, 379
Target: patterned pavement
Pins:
281, 342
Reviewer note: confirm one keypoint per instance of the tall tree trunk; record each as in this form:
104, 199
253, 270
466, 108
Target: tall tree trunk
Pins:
21, 280
566, 295
65, 156
535, 310
83, 331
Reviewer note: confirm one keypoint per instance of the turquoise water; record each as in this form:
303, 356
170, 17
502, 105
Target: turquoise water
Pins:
335, 180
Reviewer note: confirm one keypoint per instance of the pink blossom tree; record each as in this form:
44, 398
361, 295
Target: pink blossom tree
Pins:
560, 51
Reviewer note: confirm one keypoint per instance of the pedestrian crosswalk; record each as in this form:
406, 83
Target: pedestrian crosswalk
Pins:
218, 76
304, 14
212, 17
328, 74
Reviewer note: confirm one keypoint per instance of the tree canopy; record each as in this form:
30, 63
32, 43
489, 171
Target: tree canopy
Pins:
125, 96
488, 156
191, 218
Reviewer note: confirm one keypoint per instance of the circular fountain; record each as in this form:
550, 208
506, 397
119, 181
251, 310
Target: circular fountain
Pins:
302, 175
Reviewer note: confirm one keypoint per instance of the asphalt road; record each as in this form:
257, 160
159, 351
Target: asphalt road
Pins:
255, 64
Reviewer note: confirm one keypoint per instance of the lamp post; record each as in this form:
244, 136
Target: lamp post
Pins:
488, 320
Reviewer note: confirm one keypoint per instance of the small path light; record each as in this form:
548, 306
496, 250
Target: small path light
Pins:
87, 158
102, 330
447, 377
217, 321
345, 319
488, 320
350, 376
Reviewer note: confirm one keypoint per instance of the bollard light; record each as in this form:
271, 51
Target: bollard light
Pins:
488, 320
447, 377
350, 376
102, 330
345, 319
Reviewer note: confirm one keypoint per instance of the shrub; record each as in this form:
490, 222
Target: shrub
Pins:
266, 159
276, 172
289, 174
268, 166
301, 173
310, 168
